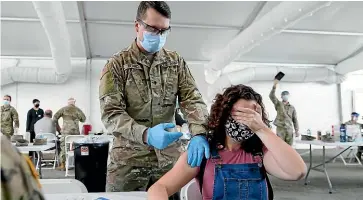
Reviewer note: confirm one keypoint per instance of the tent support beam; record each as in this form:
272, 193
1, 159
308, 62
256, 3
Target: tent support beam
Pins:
82, 20
255, 12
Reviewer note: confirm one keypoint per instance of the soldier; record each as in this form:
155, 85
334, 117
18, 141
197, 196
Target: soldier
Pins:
18, 176
9, 118
286, 116
72, 115
138, 91
354, 121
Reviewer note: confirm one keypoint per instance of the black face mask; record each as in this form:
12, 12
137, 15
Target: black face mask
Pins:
37, 105
237, 131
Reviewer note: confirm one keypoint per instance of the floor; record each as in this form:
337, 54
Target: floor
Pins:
347, 182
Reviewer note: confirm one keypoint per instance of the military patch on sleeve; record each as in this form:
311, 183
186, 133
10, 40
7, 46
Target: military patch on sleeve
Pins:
104, 70
107, 85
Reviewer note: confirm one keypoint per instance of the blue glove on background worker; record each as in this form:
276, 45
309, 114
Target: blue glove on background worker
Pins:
160, 138
197, 149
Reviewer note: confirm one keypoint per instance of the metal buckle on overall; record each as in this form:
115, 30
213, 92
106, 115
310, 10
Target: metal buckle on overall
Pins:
260, 162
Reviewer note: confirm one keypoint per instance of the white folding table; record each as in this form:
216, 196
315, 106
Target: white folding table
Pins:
346, 145
94, 196
37, 149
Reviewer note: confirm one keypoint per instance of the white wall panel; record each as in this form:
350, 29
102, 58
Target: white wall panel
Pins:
316, 104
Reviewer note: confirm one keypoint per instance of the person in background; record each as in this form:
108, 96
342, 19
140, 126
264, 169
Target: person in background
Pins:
286, 118
9, 118
138, 91
179, 121
33, 116
244, 150
354, 121
19, 179
46, 124
71, 115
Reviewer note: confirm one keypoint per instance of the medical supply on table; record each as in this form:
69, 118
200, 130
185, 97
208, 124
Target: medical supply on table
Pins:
343, 133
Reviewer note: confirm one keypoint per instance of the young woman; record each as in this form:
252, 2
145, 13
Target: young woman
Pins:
242, 147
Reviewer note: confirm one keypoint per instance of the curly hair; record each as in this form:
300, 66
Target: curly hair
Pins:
220, 111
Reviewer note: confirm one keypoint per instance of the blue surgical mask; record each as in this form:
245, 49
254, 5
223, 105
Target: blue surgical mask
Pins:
285, 97
6, 102
153, 43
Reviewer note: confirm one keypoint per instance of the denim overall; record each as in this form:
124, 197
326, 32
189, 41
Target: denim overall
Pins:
239, 181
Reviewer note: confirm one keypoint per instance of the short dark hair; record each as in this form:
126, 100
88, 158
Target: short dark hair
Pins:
48, 113
8, 96
160, 6
35, 100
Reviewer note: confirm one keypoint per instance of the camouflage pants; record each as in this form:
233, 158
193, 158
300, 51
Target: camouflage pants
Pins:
121, 178
62, 155
285, 134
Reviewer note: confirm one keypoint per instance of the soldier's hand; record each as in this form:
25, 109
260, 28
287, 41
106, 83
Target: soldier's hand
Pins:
197, 149
276, 82
160, 138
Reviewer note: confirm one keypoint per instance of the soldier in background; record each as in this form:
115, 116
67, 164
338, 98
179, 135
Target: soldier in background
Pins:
9, 118
138, 91
286, 118
71, 115
19, 178
354, 121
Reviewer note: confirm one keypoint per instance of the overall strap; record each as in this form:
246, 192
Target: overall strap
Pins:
200, 175
269, 187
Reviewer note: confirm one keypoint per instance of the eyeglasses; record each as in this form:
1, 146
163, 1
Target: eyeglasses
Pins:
154, 30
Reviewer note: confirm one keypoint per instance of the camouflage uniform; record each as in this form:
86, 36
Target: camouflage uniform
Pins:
360, 148
285, 118
135, 94
9, 116
71, 115
18, 178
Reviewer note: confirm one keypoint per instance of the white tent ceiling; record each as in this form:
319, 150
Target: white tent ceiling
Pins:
199, 31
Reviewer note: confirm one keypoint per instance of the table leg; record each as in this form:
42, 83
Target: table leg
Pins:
40, 164
310, 165
34, 160
326, 173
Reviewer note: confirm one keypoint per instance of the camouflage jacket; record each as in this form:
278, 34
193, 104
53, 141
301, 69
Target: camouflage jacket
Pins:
18, 178
9, 119
136, 94
286, 113
71, 115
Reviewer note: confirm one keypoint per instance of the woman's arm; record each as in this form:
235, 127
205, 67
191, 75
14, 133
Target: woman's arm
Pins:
281, 160
173, 181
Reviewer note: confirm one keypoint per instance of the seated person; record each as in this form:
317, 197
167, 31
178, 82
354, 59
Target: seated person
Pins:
243, 148
46, 124
354, 121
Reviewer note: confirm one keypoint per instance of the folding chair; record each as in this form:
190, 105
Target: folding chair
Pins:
59, 186
190, 191
51, 137
350, 157
69, 149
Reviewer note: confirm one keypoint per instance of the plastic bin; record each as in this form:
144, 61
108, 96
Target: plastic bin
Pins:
90, 161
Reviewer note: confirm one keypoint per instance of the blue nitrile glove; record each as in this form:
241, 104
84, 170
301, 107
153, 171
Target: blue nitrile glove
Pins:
197, 149
160, 138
